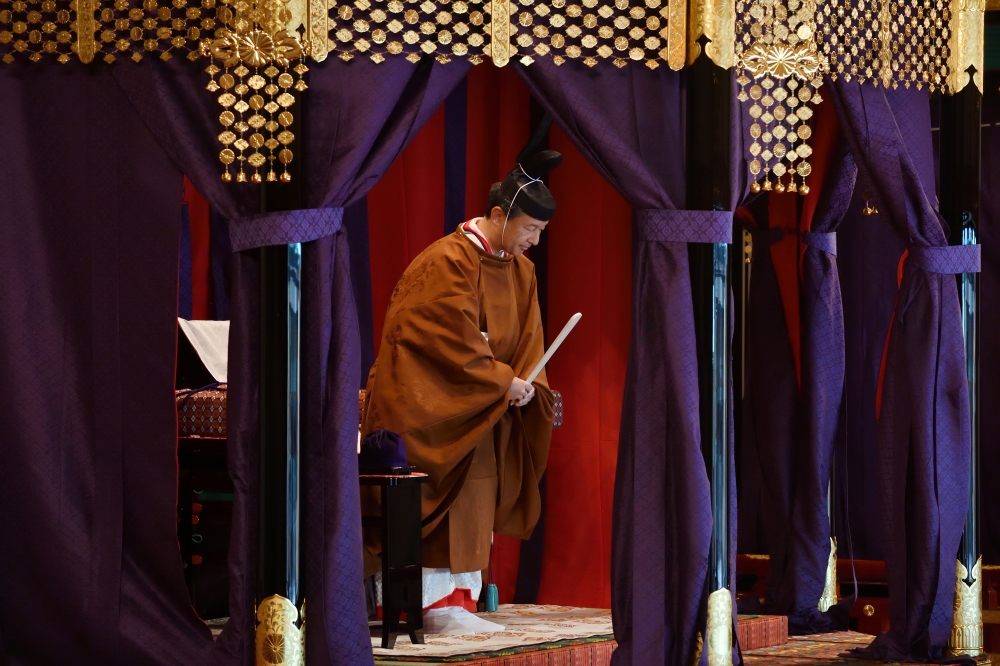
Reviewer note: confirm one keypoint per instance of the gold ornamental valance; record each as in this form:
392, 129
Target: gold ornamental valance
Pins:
781, 50
619, 31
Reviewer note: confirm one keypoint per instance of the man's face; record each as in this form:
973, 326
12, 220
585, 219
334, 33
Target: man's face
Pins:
522, 233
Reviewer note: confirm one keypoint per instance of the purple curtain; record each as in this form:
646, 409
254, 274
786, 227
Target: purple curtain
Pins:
358, 117
924, 433
770, 418
89, 210
662, 512
989, 313
822, 392
868, 254
790, 430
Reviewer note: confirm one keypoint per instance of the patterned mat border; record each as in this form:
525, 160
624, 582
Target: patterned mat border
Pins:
506, 652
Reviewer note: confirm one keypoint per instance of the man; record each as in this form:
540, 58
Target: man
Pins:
462, 332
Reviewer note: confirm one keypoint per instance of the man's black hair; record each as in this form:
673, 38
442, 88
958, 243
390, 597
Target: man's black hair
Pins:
497, 198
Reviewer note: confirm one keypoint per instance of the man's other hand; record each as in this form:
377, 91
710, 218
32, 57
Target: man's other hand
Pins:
521, 392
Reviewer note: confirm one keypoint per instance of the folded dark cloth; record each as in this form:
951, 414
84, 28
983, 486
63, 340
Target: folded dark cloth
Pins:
382, 450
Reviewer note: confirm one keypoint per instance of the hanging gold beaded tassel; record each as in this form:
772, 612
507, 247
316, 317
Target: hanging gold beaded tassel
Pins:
256, 53
778, 50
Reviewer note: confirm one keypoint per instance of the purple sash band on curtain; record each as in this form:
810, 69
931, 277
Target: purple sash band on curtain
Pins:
948, 260
285, 227
685, 226
824, 242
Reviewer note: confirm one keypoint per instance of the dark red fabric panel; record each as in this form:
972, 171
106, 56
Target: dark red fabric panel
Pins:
783, 213
200, 223
590, 271
793, 213
506, 561
826, 136
405, 210
498, 125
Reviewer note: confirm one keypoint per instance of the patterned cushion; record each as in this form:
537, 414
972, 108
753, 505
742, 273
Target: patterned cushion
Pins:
202, 413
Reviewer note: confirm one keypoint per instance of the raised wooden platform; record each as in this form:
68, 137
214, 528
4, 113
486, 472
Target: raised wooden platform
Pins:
551, 636
818, 650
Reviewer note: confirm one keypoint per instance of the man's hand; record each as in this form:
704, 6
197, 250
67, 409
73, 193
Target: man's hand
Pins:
521, 392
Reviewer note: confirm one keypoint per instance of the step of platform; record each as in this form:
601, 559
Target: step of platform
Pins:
761, 631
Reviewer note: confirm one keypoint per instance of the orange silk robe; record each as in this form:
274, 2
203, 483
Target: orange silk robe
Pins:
444, 387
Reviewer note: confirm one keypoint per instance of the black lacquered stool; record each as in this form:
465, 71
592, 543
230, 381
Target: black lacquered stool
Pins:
402, 585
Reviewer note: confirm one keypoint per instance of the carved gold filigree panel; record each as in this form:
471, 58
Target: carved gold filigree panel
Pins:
966, 48
715, 20
888, 42
619, 31
103, 29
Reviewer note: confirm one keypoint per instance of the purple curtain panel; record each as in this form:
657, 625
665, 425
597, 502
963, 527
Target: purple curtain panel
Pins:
89, 235
923, 431
662, 513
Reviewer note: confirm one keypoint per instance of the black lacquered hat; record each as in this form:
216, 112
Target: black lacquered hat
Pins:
523, 186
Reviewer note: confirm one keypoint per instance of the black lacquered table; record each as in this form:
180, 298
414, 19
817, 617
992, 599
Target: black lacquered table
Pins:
402, 585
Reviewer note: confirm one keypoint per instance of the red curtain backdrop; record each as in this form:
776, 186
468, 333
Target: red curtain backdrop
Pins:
405, 213
590, 271
199, 221
793, 213
498, 125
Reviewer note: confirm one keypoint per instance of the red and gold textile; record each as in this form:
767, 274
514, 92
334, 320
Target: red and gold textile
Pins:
202, 413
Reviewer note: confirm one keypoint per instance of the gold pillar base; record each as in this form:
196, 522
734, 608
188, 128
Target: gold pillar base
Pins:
719, 632
280, 641
967, 621
829, 598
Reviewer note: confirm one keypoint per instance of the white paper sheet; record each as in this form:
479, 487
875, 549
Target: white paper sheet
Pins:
210, 340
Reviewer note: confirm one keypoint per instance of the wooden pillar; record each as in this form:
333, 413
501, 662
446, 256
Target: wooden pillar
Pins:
709, 175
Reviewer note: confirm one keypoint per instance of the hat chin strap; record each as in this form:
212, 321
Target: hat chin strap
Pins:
513, 199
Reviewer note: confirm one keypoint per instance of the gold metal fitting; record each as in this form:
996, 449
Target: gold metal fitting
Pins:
279, 641
829, 598
967, 621
719, 629
869, 209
